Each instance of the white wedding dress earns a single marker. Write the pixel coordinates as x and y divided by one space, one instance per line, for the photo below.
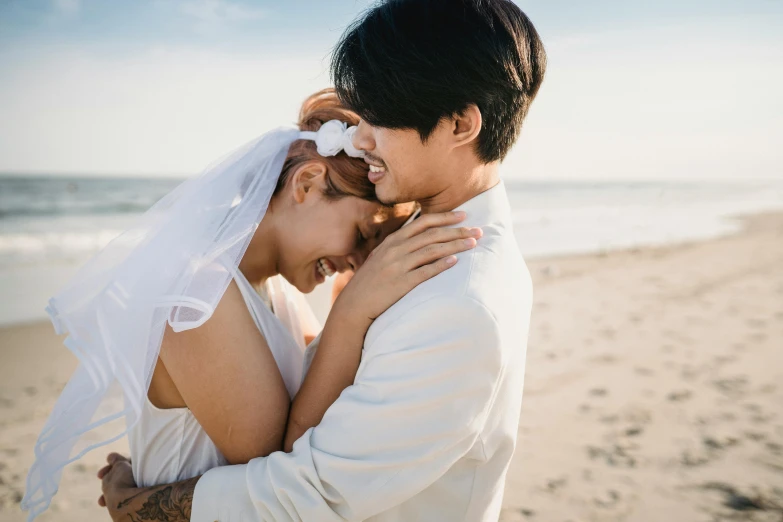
170 445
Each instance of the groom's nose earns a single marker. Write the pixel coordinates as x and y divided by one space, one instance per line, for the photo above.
362 138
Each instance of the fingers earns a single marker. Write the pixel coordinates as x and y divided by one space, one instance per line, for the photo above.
116 464
428 271
115 470
427 221
113 458
434 252
440 235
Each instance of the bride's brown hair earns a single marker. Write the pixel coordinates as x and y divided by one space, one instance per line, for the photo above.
346 176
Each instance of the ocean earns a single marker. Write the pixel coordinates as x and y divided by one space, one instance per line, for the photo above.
51 225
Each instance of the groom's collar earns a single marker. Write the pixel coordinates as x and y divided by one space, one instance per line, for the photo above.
491 205
488 207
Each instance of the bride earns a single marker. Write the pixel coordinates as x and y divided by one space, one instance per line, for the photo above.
195 318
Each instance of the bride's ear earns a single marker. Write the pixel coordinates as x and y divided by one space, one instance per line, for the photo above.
307 179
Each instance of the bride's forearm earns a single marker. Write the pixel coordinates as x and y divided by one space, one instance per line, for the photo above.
333 369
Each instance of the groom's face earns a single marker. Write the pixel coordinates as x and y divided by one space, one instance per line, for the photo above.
401 166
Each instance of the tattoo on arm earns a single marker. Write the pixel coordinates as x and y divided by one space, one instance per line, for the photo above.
170 503
129 499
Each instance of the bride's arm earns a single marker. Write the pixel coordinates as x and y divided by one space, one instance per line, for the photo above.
333 369
405 259
228 378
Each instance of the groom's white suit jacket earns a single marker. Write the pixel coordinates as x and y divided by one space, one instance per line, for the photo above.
428 428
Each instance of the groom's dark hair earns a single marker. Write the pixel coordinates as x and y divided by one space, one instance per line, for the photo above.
407 64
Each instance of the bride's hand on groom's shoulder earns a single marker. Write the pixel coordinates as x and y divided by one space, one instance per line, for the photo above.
405 259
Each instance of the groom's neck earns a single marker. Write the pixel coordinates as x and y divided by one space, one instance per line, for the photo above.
461 187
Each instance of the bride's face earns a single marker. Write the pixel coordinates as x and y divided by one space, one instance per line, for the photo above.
318 237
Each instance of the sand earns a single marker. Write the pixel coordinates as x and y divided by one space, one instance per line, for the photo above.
654 390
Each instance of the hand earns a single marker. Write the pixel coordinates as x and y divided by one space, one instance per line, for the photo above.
405 259
117 484
125 501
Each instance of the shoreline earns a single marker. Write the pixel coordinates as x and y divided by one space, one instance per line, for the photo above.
654 388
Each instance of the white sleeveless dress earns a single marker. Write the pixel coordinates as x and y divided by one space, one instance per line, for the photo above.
170 445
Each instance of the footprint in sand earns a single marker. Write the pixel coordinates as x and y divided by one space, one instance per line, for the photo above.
515 514
553 485
719 443
765 498
739 347
774 447
755 408
605 358
679 395
694 458
732 387
607 333
615 455
756 323
608 499
720 360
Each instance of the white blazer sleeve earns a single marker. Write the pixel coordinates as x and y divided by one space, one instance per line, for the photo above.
420 399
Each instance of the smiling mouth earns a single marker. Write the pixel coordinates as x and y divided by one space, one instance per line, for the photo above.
325 268
376 164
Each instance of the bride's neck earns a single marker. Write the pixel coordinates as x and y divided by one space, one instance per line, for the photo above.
260 260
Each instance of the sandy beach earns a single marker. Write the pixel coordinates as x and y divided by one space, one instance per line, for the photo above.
654 390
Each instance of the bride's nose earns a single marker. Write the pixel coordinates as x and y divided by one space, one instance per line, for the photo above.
355 260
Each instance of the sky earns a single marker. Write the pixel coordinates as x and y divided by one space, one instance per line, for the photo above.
635 90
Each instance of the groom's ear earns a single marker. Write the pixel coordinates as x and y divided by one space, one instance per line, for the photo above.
307 179
466 126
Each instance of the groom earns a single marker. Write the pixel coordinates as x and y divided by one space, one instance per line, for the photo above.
427 430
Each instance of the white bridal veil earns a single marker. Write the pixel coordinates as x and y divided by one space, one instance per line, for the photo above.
172 267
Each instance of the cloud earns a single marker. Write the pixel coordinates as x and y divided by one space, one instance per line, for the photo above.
212 14
156 111
68 7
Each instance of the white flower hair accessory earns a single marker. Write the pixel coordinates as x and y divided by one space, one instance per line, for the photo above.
333 136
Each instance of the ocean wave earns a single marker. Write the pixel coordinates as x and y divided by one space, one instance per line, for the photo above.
52 247
31 198
59 209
